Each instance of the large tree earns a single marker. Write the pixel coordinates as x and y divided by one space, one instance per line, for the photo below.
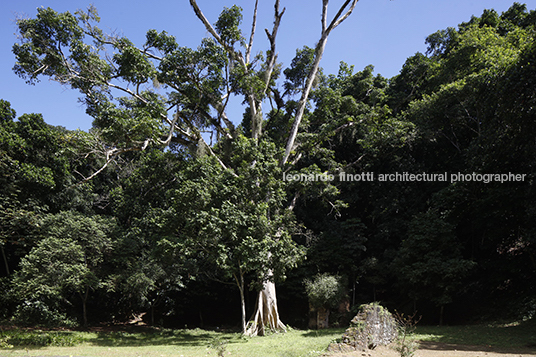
199 82
68 258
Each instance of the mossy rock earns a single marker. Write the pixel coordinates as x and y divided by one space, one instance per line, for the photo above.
373 326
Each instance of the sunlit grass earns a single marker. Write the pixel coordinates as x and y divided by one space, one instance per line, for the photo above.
191 343
198 343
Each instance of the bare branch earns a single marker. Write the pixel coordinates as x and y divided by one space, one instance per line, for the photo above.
171 130
222 164
303 100
338 19
293 202
319 51
253 27
40 69
355 162
271 37
216 124
205 22
296 159
135 95
324 15
110 155
220 108
255 103
256 126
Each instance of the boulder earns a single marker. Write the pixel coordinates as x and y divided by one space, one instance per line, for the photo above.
372 326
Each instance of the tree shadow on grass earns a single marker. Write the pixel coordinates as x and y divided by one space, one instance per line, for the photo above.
112 337
440 346
510 338
190 338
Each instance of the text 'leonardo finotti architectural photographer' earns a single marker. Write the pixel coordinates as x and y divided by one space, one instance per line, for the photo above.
406 177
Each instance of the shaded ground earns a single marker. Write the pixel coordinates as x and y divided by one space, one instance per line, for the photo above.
436 349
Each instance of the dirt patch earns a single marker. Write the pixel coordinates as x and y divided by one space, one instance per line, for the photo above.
433 349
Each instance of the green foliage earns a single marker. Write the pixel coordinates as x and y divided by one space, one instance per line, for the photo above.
132 65
300 66
228 24
238 222
220 211
27 155
324 290
67 259
405 343
36 312
37 338
429 262
43 37
219 345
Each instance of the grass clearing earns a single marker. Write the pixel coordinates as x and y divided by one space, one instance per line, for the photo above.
186 343
197 343
501 336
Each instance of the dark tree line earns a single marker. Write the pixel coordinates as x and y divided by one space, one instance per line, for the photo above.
163 223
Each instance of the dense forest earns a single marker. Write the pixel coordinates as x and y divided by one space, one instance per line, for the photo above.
415 191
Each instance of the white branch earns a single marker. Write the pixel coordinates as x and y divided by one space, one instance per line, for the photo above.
338 19
253 27
319 51
272 36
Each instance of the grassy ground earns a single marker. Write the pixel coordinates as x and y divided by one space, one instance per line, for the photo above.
163 343
499 336
193 343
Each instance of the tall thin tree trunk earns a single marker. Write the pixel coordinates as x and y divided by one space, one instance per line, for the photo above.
5 260
240 284
243 304
84 305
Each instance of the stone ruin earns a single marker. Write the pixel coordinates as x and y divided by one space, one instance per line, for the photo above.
372 326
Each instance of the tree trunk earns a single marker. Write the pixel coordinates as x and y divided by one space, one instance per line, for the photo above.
313 318
84 308
240 284
5 260
322 318
266 315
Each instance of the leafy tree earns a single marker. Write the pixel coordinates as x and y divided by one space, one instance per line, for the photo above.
325 290
32 182
149 263
69 259
429 262
473 116
324 293
199 84
235 223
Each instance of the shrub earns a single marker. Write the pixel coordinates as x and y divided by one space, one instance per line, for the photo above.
406 344
37 313
324 291
41 338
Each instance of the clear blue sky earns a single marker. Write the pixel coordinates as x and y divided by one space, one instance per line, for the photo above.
380 32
